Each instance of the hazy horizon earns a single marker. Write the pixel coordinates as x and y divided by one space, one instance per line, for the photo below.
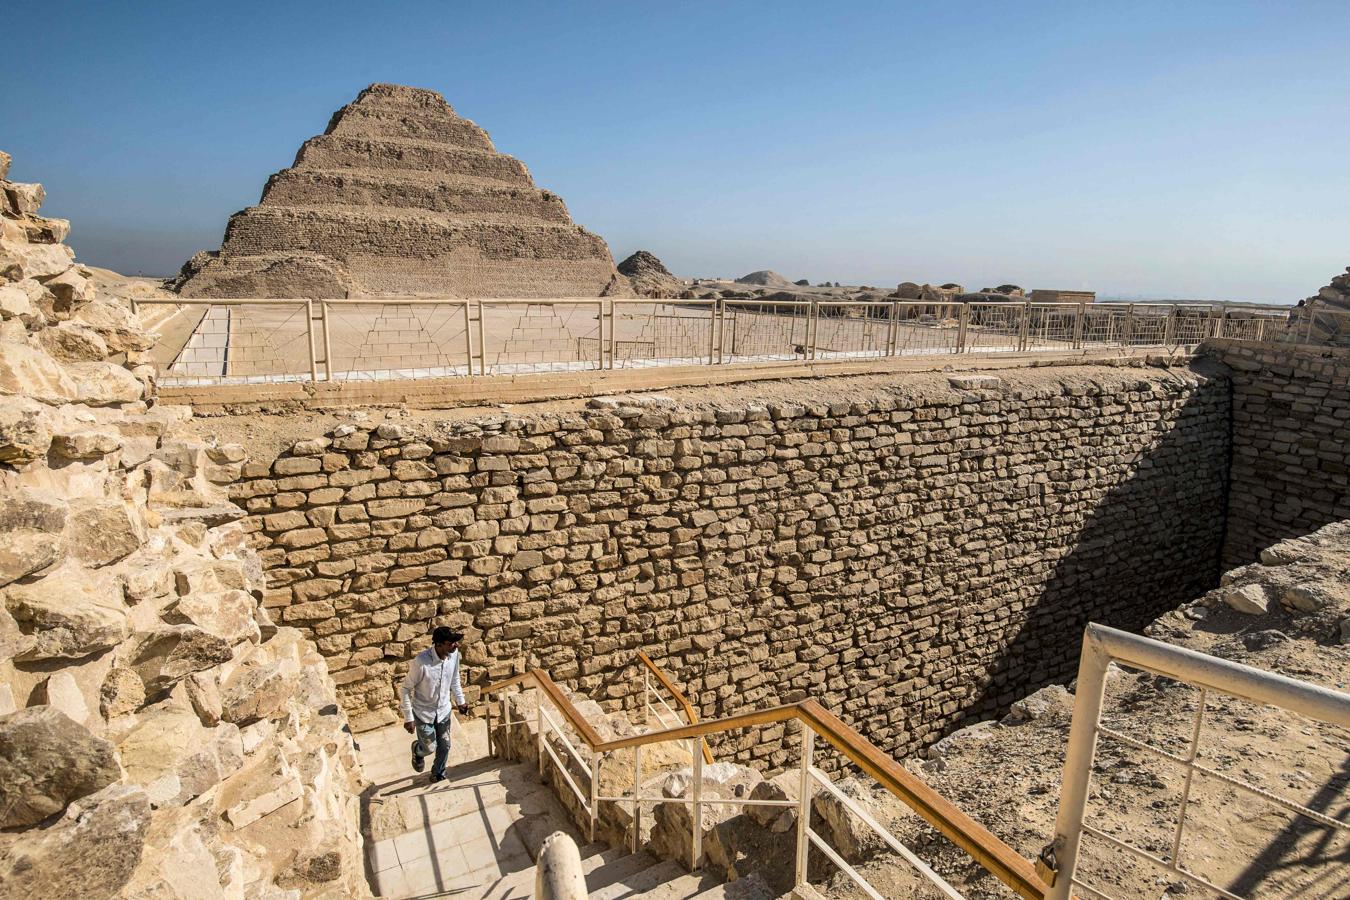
1146 151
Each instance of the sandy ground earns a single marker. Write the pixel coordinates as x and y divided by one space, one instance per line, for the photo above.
1007 774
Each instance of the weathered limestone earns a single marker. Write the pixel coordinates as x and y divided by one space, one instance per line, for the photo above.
402 196
911 557
143 687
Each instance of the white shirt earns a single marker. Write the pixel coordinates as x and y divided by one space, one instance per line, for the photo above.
431 685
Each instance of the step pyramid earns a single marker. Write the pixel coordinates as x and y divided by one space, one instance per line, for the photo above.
401 196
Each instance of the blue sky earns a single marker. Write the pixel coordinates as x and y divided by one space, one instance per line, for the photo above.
1166 149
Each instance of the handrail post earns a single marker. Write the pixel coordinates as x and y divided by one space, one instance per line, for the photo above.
893 339
1127 333
646 699
721 318
712 332
962 321
309 333
1023 332
327 342
1170 326
613 335
542 751
637 796
487 720
600 337
597 760
696 845
1079 320
812 329
808 741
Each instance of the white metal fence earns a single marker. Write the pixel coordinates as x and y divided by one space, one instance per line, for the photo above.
265 341
1101 647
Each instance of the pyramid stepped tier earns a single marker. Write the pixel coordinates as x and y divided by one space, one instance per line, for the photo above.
446 194
400 196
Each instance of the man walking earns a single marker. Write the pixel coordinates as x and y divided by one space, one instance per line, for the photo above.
432 682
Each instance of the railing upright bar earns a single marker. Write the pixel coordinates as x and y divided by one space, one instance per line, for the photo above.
962 325
1190 774
309 334
712 334
893 337
1079 319
600 334
696 814
597 762
540 732
808 742
468 339
1024 327
646 699
613 333
327 342
482 345
637 801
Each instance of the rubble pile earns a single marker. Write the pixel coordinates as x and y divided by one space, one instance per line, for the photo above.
159 735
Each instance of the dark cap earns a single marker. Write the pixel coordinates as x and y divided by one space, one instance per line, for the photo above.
444 635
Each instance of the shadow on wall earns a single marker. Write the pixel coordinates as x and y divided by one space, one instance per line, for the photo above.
1291 442
1152 542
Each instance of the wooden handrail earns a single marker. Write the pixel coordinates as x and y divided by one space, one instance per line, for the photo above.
986 848
689 714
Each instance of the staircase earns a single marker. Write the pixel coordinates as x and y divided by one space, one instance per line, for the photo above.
477 834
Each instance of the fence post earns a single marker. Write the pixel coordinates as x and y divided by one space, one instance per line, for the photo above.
697 813
1024 327
468 340
600 340
1080 316
1170 326
327 342
712 332
721 318
540 734
1127 332
893 338
613 335
808 741
482 345
963 320
309 333
812 326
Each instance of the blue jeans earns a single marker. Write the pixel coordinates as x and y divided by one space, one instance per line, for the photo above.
440 734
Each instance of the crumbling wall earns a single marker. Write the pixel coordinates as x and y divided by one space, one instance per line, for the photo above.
1291 442
917 554
160 736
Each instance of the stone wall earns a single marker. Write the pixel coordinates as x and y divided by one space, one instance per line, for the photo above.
160 736
917 554
1291 442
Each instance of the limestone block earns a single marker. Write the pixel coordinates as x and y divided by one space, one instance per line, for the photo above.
227 614
68 290
70 613
259 790
31 522
104 383
91 851
86 444
111 318
672 830
31 372
25 430
161 736
101 531
122 693
256 690
15 302
167 655
1250 599
73 343
783 786
851 838
64 694
1306 598
46 761
25 199
20 259
1051 701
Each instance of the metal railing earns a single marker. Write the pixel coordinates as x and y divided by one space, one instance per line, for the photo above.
1101 647
243 341
815 721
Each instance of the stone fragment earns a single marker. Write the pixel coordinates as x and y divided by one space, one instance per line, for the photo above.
1305 598
259 790
1053 700
25 199
33 373
63 693
151 750
87 444
228 614
164 657
91 851
976 382
850 836
25 433
255 691
31 523
122 693
20 259
783 786
1249 599
113 321
68 290
15 302
46 761
69 342
70 613
103 530
104 384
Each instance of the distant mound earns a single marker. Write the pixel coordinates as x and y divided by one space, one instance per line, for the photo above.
766 277
649 276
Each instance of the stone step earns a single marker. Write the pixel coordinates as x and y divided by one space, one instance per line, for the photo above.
616 871
666 880
751 887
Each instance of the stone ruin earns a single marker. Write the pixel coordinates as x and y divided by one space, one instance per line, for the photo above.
650 277
159 735
401 196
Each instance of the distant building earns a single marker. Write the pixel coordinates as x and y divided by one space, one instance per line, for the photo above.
1063 296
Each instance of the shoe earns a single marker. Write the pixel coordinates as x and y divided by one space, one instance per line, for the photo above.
418 762
435 778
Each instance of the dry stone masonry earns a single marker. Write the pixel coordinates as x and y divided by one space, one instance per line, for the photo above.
913 556
160 736
1291 442
402 196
